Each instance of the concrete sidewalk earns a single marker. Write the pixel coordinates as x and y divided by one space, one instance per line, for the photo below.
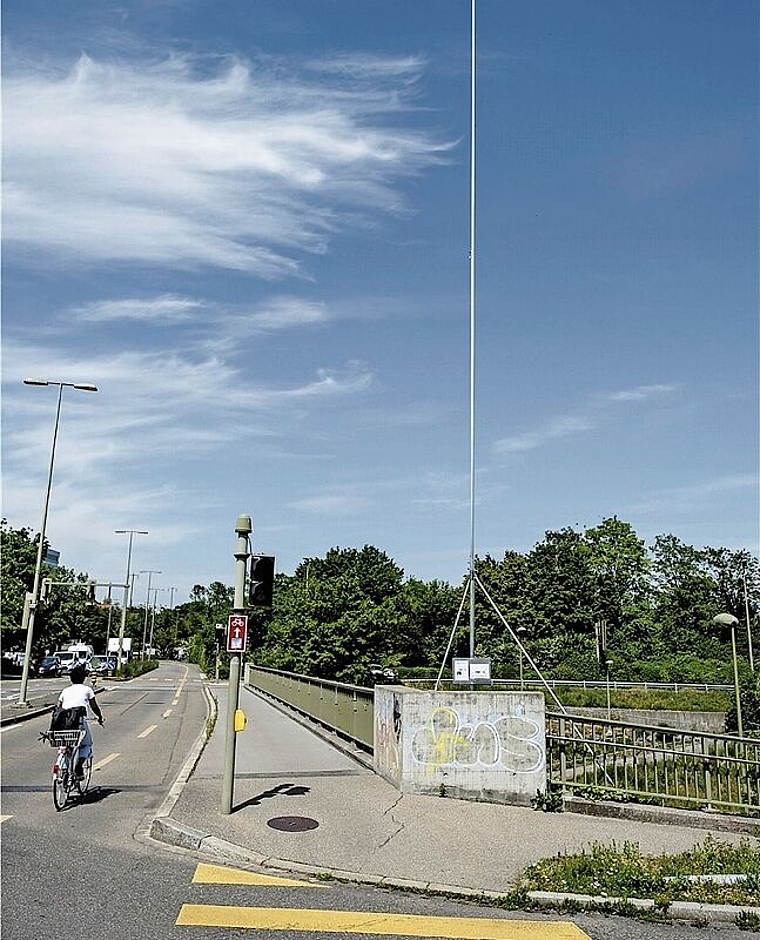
300 804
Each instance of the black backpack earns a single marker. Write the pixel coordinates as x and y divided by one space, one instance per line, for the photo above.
67 719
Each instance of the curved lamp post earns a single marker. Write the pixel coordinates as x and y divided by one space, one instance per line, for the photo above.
728 620
32 600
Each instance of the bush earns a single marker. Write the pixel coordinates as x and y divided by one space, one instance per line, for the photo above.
136 667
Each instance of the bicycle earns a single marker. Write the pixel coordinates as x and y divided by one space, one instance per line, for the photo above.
65 780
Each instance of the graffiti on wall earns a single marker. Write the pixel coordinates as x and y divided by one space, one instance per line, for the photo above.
504 742
388 733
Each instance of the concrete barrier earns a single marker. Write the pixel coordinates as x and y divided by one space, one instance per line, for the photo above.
488 746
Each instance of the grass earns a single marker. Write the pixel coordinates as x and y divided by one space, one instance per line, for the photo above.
686 700
625 872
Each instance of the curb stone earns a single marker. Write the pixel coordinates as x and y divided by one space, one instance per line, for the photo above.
181 836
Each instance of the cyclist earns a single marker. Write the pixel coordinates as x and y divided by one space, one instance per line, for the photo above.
79 695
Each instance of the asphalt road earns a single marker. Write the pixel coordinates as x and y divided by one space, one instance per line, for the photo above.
89 870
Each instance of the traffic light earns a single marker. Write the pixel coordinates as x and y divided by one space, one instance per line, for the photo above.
261 581
91 591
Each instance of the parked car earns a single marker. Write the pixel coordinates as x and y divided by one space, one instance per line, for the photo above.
49 666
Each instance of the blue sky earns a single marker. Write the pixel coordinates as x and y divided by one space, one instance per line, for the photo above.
248 224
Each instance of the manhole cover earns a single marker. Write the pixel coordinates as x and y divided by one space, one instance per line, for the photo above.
292 823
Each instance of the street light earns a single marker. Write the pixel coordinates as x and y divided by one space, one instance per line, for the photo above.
608 663
728 620
32 600
150 574
749 627
153 615
125 604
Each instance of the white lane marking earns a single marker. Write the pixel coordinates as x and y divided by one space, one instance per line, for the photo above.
5 818
106 760
167 713
148 730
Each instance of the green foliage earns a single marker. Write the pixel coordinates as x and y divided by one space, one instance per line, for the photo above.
17 562
625 872
67 614
749 699
549 800
337 615
137 667
685 700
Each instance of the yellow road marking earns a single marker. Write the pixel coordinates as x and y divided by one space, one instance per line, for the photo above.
407 925
221 875
106 760
148 730
167 713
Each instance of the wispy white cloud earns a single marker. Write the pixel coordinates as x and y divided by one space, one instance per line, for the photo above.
159 402
241 167
640 393
331 504
692 500
168 309
596 412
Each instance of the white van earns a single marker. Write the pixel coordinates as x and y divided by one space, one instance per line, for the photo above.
83 651
68 659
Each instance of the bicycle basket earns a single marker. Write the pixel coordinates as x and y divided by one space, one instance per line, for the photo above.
65 738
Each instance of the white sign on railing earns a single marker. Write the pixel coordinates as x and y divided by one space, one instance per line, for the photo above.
473 669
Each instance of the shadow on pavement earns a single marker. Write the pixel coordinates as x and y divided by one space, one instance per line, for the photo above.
283 789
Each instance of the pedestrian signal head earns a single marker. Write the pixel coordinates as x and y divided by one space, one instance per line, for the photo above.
261 581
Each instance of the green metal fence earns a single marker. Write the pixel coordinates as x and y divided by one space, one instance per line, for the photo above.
349 710
656 765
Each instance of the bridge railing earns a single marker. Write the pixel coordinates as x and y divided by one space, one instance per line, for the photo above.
592 756
348 710
668 767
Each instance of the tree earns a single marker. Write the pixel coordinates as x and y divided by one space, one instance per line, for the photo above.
17 563
337 614
65 614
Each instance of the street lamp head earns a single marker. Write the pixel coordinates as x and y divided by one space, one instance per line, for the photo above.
135 531
726 620
82 386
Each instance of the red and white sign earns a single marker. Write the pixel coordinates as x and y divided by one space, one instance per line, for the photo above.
237 633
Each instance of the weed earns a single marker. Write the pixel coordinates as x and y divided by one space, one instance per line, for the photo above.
747 920
623 871
549 801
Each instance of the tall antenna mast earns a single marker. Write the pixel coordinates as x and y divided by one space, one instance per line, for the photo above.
472 332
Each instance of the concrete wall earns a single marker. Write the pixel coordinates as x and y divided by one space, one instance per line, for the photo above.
488 746
711 722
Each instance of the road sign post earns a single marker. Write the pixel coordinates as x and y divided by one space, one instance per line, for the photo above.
237 634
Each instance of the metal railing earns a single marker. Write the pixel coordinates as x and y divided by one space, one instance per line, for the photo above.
649 764
349 710
615 685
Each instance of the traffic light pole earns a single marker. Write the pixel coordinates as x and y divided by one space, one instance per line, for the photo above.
243 528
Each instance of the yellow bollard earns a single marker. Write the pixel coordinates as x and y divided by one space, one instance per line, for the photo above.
240 720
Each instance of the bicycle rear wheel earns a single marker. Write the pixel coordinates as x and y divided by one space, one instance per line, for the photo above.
83 785
59 790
